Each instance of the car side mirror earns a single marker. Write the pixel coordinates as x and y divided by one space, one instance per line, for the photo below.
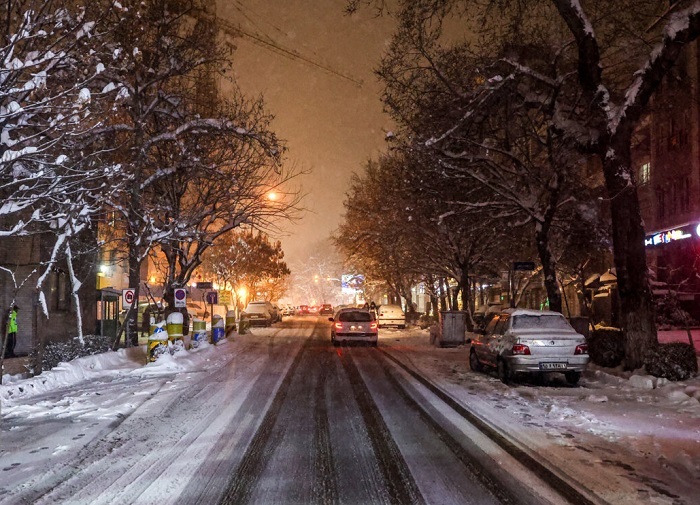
469 341
330 319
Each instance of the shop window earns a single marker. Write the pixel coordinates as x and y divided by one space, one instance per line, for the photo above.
685 195
59 291
644 173
660 203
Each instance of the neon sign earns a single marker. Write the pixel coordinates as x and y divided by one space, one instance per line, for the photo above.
668 236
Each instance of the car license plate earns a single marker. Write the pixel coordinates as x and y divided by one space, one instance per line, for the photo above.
553 366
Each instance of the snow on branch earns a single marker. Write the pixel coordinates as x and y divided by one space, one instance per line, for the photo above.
682 28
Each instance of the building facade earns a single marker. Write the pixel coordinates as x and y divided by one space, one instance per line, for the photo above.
667 162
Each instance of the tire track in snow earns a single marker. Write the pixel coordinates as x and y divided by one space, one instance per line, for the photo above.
400 484
263 444
564 485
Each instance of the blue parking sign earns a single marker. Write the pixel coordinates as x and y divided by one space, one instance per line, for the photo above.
212 298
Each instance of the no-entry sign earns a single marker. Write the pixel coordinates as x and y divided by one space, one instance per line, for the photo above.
128 296
180 297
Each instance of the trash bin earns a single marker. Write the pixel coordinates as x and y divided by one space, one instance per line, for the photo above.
174 326
157 342
217 329
199 332
451 328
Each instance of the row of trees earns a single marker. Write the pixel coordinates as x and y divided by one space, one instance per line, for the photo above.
249 264
502 106
110 114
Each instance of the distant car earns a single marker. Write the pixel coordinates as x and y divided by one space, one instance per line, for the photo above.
197 310
521 341
303 310
313 309
326 309
259 313
354 325
276 313
391 315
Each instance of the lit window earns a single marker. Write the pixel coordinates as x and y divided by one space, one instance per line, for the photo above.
644 173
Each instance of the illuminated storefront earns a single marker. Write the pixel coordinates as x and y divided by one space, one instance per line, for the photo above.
673 256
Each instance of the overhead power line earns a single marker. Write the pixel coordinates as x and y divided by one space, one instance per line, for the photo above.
269 43
295 55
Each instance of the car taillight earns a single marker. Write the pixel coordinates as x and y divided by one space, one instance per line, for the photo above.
521 349
339 326
373 325
581 349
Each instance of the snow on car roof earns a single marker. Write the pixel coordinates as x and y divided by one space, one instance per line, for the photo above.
531 312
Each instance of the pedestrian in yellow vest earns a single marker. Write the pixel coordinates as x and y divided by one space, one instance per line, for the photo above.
11 333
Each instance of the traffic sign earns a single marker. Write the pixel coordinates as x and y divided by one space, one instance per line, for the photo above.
204 285
523 266
128 296
225 298
180 296
212 298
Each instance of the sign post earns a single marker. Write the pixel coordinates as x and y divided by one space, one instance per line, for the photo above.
212 298
128 300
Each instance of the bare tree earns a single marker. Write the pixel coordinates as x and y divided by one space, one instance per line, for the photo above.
53 176
195 167
596 65
248 259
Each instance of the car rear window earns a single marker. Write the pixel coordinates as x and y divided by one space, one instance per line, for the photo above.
546 322
355 317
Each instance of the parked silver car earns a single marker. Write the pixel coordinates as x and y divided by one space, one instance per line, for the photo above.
520 341
259 313
391 315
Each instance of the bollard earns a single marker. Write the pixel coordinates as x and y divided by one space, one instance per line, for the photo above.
217 329
174 326
151 324
157 342
199 332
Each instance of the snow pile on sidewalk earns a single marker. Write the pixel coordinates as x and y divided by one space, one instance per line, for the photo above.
131 361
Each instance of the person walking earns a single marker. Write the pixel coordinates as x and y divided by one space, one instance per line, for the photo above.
11 333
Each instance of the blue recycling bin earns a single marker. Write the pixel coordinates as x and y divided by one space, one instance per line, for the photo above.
218 330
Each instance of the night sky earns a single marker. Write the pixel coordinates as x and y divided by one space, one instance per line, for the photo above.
331 123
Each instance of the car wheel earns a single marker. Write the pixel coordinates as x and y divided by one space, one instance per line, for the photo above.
374 344
474 362
402 327
504 373
572 377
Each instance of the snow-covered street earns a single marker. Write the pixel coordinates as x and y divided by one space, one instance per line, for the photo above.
281 416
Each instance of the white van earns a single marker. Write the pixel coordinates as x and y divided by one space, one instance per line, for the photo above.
391 315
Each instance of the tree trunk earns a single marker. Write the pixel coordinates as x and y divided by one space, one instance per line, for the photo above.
637 310
132 336
443 300
548 266
467 300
